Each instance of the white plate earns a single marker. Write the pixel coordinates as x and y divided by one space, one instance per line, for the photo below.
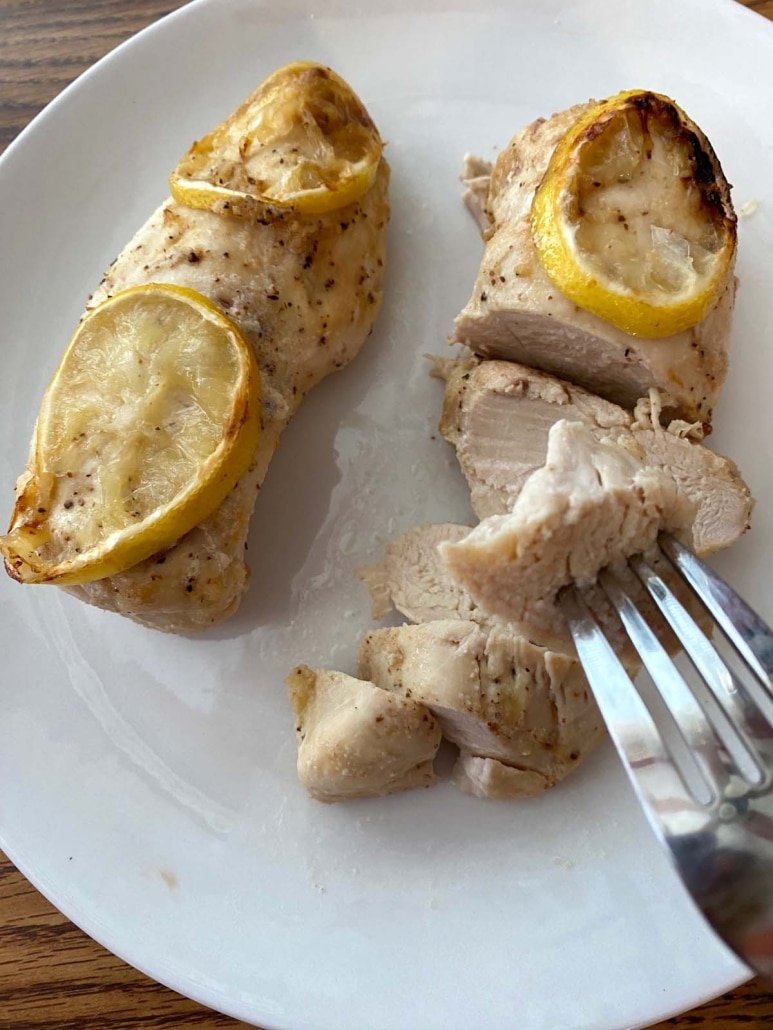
148 783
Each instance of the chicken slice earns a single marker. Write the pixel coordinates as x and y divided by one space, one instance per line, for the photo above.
593 504
496 696
356 740
490 778
305 291
498 414
413 579
516 313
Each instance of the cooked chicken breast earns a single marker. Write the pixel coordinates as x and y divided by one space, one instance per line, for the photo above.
593 504
356 740
305 292
496 696
490 778
516 313
413 579
498 415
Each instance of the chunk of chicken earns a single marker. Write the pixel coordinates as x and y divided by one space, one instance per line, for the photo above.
356 740
305 292
415 580
515 312
495 695
498 414
593 504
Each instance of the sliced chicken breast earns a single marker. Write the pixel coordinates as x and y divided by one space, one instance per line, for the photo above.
490 778
356 740
496 696
516 313
305 292
498 415
413 579
593 504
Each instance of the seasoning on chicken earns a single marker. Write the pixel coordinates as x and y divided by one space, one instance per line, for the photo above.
356 740
498 414
305 292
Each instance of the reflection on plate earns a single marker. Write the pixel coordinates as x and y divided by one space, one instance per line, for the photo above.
148 781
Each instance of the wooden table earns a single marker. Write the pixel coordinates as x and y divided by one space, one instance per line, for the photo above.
52 976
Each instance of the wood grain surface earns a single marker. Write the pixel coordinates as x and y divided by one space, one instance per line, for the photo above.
52 976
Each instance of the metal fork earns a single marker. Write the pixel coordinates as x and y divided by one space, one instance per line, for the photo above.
699 749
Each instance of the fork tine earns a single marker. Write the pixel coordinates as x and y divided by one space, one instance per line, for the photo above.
751 637
653 775
741 711
687 716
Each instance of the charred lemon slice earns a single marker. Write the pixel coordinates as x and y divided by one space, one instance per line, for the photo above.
302 141
151 418
633 219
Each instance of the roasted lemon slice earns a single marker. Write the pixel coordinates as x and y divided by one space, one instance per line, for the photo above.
151 418
302 141
633 219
